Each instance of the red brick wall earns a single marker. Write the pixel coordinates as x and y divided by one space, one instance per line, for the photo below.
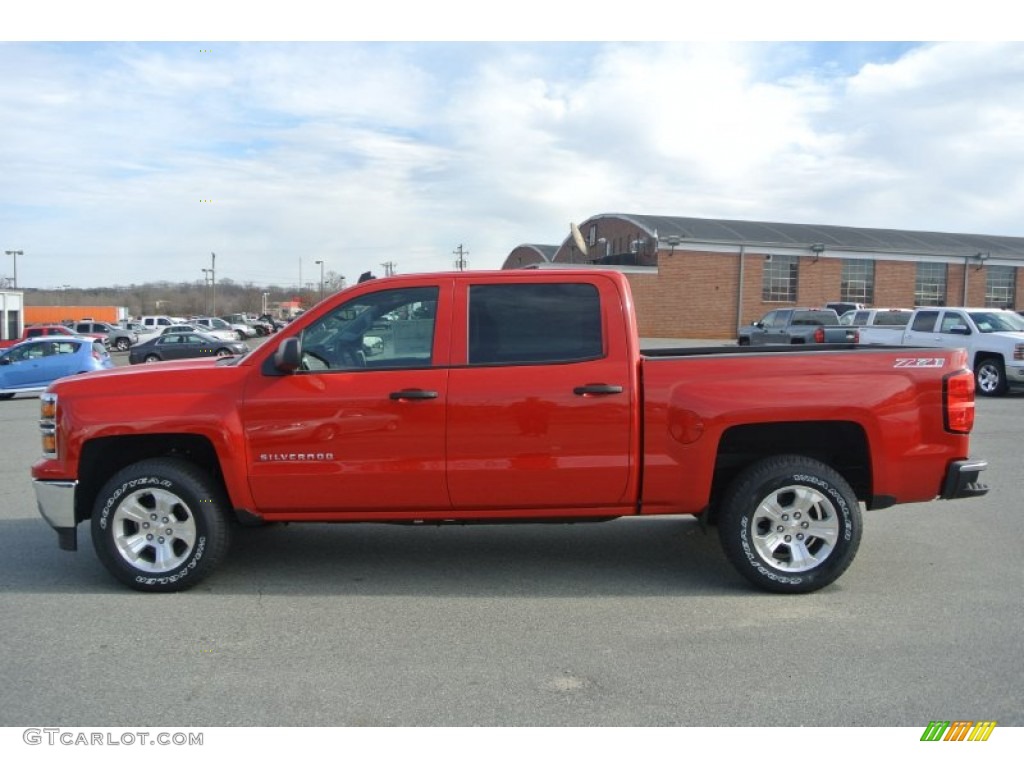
692 296
894 283
695 295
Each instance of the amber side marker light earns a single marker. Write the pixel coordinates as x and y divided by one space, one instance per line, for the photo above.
958 402
48 423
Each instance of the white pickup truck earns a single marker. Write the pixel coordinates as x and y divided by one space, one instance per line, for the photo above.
993 338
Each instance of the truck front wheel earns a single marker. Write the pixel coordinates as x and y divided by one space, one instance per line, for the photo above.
790 524
160 526
990 377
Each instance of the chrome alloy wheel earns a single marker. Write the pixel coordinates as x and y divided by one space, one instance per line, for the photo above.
154 530
795 528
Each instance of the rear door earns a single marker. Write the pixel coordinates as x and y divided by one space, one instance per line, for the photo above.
540 396
923 330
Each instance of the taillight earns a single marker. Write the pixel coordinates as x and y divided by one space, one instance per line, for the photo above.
48 424
819 335
958 401
1018 351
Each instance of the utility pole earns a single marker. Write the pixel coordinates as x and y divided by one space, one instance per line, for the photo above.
206 291
321 263
389 268
15 255
213 284
460 263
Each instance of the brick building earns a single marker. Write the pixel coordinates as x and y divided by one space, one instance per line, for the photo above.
703 278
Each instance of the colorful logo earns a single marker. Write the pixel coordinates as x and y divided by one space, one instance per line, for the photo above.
958 730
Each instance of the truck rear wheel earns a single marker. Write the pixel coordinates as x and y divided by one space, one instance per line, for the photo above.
160 525
790 524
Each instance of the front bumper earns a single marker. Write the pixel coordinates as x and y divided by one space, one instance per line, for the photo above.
962 480
1015 375
56 501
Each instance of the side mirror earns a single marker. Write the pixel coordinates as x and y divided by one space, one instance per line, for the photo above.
960 330
288 357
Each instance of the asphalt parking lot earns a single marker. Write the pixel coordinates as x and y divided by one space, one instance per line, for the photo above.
633 622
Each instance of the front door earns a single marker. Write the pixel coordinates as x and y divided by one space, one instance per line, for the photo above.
361 427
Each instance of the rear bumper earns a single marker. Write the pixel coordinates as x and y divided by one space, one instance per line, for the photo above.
962 480
56 501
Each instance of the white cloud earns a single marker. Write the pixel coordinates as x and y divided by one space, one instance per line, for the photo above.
362 153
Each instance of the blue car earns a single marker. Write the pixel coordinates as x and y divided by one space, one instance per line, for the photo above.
32 365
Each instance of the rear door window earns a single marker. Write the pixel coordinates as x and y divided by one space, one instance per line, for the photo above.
534 323
925 321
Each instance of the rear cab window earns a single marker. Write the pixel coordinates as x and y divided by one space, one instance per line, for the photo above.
530 323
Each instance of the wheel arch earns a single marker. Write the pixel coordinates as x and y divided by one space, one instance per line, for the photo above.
103 457
982 356
842 445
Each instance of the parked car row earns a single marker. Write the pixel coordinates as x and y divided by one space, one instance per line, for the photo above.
47 352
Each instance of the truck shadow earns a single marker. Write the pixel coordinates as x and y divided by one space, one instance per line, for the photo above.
650 557
623 557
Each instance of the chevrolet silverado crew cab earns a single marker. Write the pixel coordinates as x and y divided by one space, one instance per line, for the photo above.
513 396
993 338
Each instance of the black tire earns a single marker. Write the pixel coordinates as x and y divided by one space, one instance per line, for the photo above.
743 341
223 352
151 359
122 344
790 524
990 377
190 511
241 335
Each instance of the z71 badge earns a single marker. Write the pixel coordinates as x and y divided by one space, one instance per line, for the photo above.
919 362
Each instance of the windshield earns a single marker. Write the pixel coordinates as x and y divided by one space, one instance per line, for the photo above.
991 322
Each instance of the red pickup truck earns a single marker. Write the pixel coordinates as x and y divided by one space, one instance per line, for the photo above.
515 396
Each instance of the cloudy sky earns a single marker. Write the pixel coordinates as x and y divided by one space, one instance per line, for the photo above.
126 162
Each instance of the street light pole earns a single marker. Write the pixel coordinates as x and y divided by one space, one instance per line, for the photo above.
15 255
321 279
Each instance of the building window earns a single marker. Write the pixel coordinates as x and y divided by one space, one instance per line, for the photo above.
780 278
857 283
1000 287
930 285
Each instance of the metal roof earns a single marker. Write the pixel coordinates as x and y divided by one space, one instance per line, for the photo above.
547 252
837 237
